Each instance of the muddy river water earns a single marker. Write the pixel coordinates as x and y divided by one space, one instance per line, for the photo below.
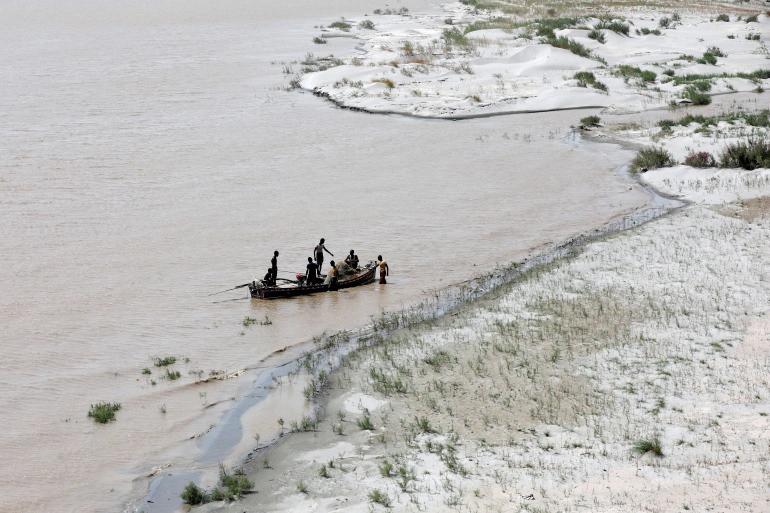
149 155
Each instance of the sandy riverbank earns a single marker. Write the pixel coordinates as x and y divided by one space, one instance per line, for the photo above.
468 62
637 366
533 400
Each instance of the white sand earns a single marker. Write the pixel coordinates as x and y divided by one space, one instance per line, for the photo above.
509 71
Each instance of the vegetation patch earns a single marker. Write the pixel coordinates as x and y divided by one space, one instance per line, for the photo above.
651 157
385 81
103 412
648 445
700 159
586 78
341 24
165 361
615 26
597 35
751 154
590 121
627 72
696 96
231 487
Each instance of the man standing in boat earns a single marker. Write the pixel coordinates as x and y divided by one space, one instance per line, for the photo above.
311 272
319 254
273 268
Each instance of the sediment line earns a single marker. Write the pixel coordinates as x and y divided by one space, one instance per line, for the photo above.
456 117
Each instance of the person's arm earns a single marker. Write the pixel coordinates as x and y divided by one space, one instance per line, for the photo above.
387 269
324 247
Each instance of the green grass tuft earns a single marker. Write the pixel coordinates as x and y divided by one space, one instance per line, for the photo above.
651 158
103 412
651 445
751 154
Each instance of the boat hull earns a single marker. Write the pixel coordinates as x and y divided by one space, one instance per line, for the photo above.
366 275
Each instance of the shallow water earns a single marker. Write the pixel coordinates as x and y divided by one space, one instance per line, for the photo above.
148 157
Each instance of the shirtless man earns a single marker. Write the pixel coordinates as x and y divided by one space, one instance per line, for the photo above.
319 254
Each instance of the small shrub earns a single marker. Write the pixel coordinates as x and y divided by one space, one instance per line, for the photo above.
193 494
103 412
386 82
648 445
302 487
423 425
341 24
597 35
454 36
753 37
367 24
651 158
664 22
615 26
646 32
569 44
379 497
695 96
751 154
173 375
319 41
708 58
165 361
590 121
700 159
723 17
146 371
716 51
365 423
626 71
752 19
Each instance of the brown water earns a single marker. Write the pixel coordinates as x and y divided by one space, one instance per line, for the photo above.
149 157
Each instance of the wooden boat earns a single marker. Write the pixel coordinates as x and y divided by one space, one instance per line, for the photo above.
361 277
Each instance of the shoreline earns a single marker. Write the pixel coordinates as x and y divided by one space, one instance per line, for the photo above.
437 305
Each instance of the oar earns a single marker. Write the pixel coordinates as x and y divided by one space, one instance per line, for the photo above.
228 290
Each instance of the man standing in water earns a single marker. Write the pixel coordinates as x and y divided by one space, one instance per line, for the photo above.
319 254
332 277
384 269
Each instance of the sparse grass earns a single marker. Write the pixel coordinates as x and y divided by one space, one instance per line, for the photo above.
615 26
627 72
103 412
455 37
165 361
597 35
651 158
648 445
302 487
365 423
231 485
377 496
751 154
697 97
173 375
385 81
571 45
586 78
